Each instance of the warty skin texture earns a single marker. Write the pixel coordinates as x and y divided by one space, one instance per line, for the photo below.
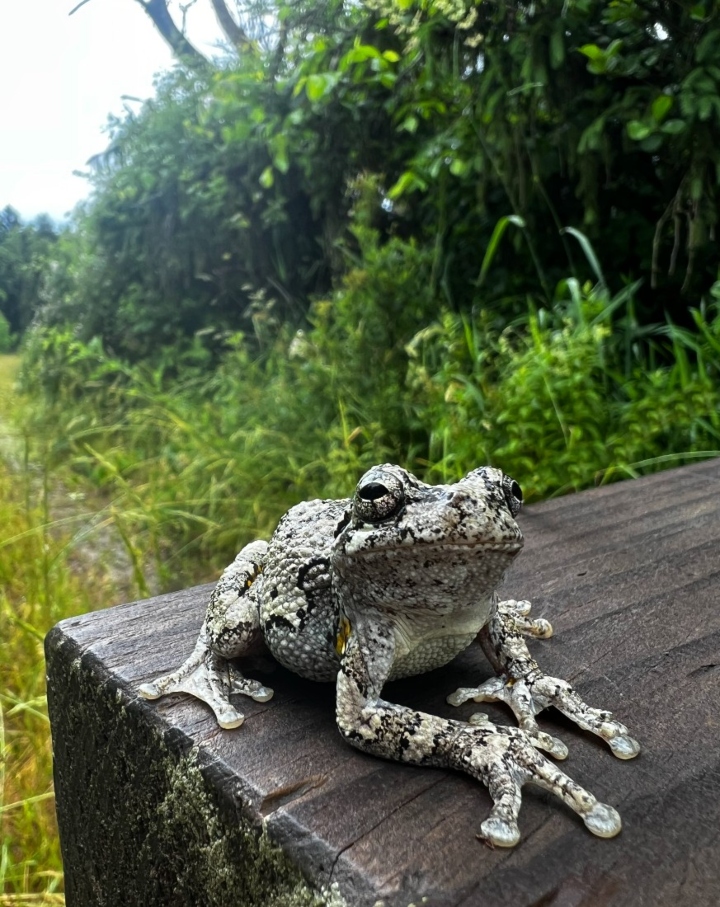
392 582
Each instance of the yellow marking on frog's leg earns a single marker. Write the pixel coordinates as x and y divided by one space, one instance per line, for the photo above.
342 637
257 570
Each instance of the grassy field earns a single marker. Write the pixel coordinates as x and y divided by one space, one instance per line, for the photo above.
40 583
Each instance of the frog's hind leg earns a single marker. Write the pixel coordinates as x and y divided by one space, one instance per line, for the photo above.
231 629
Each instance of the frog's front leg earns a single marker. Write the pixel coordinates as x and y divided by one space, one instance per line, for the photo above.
231 629
527 690
503 758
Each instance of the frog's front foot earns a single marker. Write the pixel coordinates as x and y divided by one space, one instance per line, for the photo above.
523 686
211 678
529 695
505 759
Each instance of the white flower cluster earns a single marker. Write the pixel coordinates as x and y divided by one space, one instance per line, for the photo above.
405 17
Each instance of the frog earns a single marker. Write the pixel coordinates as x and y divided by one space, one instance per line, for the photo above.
393 582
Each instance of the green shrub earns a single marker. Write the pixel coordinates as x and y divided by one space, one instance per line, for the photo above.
567 399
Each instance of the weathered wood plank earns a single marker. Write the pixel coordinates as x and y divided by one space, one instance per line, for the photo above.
628 574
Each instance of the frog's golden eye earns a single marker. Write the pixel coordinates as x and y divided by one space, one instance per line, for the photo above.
378 497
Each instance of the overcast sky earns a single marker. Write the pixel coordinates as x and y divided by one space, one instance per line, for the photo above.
60 77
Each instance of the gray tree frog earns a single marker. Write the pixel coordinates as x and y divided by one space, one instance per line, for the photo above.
391 583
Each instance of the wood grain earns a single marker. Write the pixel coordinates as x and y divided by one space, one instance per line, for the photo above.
628 574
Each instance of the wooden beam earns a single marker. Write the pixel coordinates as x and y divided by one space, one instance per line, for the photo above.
156 805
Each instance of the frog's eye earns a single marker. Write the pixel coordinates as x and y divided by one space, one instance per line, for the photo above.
373 491
513 495
377 498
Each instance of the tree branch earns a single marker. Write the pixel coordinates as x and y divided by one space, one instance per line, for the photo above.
179 44
233 32
76 8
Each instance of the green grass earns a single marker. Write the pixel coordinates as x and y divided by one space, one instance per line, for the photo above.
39 587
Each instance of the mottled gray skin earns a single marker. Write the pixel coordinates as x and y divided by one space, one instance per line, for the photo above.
394 582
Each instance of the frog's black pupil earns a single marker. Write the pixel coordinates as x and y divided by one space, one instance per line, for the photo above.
372 491
516 491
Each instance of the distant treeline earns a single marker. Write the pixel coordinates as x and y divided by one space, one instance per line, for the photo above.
26 253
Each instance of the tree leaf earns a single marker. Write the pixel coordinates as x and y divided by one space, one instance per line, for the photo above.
458 167
592 51
409 124
587 248
557 46
661 107
652 143
637 130
406 182
316 86
497 235
673 127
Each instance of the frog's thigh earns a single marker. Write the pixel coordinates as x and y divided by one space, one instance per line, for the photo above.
232 620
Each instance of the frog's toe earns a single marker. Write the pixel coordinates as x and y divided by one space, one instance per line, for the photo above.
227 716
603 821
598 721
479 719
538 738
461 696
496 689
173 682
538 627
623 746
149 691
548 743
518 612
252 688
500 832
512 692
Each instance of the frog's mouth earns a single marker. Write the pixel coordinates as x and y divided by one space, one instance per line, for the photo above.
404 547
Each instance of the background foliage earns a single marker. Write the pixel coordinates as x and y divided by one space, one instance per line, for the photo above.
427 121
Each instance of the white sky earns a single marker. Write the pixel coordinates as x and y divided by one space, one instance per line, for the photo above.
60 77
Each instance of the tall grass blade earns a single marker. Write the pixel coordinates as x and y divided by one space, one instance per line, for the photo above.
589 252
495 239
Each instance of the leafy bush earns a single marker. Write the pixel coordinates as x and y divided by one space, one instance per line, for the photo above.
566 398
25 251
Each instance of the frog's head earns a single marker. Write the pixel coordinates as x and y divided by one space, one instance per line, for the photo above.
403 539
